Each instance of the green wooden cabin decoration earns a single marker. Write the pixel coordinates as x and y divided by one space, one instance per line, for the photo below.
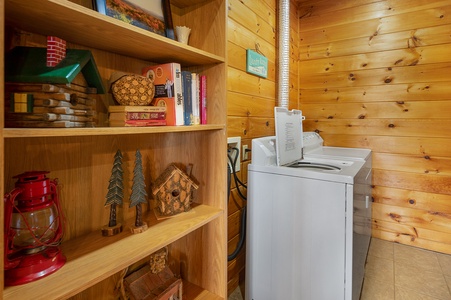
37 95
28 65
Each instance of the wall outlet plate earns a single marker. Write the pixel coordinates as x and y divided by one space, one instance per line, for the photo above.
245 153
234 142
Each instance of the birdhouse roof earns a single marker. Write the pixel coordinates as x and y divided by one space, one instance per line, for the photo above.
168 174
28 64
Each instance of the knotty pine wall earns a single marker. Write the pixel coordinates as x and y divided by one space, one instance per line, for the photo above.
377 74
252 24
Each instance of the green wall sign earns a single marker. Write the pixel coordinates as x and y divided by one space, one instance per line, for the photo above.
256 63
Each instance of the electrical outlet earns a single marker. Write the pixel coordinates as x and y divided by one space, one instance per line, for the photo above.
234 142
245 152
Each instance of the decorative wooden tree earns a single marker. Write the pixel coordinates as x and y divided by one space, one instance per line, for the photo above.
114 196
139 194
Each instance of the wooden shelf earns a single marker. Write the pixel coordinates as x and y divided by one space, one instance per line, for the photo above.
87 263
87 27
81 158
98 131
192 291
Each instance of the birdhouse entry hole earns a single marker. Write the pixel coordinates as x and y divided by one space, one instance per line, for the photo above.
175 193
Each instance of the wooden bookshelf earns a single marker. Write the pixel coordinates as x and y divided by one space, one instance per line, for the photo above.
81 158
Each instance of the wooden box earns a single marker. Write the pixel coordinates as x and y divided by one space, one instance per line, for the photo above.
143 285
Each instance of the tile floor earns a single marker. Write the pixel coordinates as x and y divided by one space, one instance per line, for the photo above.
400 272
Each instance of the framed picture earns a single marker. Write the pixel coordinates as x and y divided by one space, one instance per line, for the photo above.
151 15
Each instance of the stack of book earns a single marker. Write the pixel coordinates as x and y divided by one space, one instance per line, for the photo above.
122 115
168 90
183 93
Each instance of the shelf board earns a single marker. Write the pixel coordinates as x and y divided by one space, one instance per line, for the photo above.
83 26
87 263
98 131
192 291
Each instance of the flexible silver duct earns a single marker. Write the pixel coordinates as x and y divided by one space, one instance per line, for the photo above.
284 52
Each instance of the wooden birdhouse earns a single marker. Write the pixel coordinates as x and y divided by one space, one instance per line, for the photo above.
51 87
173 191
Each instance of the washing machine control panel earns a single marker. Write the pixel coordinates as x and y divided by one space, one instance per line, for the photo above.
312 140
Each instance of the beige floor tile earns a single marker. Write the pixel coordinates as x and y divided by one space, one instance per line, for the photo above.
445 263
424 259
377 290
414 278
405 294
381 248
380 269
236 294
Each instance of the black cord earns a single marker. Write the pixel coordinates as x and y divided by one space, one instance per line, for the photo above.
230 170
238 182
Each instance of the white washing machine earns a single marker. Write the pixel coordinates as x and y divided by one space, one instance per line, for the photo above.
300 224
313 148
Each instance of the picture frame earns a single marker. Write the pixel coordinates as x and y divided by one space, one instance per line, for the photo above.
152 15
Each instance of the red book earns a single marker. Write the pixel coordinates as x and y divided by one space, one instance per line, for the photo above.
203 98
137 116
137 123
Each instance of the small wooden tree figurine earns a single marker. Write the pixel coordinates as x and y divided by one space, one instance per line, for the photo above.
114 196
139 194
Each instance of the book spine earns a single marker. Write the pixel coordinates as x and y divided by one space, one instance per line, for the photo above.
125 108
203 99
138 123
195 98
178 91
138 116
187 97
146 115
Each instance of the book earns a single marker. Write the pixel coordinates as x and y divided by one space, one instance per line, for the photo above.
138 116
187 97
128 108
168 90
195 98
136 123
203 98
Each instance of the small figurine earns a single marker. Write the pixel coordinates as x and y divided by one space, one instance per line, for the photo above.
114 196
139 194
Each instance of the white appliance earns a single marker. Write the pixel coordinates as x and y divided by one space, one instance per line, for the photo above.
313 148
302 231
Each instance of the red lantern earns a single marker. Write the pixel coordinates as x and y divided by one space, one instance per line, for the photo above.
33 229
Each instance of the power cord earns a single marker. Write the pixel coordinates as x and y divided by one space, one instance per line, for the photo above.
238 182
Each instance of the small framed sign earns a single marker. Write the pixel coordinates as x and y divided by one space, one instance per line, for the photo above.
256 63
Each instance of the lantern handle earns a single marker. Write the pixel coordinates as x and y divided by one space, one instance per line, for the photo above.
62 219
9 199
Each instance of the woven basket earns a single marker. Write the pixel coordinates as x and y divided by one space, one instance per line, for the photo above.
132 89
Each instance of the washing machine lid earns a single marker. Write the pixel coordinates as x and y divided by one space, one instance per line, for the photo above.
289 141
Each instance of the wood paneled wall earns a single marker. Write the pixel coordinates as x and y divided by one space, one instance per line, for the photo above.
377 74
252 24
250 100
